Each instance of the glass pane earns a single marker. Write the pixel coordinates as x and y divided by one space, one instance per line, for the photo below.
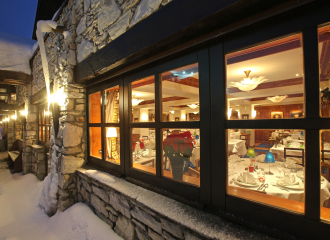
324 59
112 105
181 155
95 142
325 174
144 149
266 81
40 133
113 145
43 134
95 107
267 166
143 100
40 116
180 94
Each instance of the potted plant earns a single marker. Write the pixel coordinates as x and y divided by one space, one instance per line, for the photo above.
178 148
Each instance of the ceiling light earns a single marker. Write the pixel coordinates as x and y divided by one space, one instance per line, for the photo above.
171 112
195 112
135 101
277 99
248 83
297 75
193 106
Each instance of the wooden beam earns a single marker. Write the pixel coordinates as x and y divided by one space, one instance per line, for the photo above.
11 75
8 107
41 95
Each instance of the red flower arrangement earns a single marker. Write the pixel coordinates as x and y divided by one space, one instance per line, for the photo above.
141 145
179 145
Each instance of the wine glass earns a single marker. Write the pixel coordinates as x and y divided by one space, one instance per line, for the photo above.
280 167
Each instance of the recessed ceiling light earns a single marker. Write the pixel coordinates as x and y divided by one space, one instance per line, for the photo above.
297 75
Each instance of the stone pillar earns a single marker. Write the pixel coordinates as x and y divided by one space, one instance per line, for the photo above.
29 136
38 161
18 126
10 133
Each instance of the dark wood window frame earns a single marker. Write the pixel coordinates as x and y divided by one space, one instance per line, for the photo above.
44 122
211 60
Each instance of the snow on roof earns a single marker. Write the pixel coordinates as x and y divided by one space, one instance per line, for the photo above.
15 53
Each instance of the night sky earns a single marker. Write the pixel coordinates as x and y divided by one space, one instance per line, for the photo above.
17 17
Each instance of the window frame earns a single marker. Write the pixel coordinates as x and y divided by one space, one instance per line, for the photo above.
102 163
42 107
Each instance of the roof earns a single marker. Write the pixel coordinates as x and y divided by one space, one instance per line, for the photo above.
15 53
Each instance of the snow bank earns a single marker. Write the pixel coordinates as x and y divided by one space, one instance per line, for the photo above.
15 53
22 218
100 176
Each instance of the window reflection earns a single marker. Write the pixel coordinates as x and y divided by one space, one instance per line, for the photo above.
266 81
181 155
267 166
180 94
143 100
144 149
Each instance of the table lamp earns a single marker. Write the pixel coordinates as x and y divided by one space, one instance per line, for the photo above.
269 159
112 132
250 153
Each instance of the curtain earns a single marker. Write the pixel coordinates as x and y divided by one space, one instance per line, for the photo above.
109 114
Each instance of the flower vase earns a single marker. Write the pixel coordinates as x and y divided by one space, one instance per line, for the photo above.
177 163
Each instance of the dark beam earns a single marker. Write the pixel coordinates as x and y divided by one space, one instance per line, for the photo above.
4 94
19 76
8 107
133 49
41 95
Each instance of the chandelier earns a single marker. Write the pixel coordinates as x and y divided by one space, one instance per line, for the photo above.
277 99
135 101
193 106
248 83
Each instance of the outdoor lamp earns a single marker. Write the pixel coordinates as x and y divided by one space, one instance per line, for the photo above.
112 132
269 159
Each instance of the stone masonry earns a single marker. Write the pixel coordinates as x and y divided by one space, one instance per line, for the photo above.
38 161
126 217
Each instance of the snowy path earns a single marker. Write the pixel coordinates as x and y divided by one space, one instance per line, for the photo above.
21 217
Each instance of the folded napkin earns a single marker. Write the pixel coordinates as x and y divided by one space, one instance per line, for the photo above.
246 177
260 158
290 179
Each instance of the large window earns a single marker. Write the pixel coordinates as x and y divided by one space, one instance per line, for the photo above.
105 126
266 81
44 123
179 101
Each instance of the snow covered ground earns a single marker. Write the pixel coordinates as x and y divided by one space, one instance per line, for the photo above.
22 218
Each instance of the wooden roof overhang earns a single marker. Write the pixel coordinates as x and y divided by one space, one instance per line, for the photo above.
188 23
14 78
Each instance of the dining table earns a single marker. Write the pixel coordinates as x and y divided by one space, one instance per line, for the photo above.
273 189
237 146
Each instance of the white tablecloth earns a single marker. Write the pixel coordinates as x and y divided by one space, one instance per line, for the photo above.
196 153
275 191
280 153
235 135
237 146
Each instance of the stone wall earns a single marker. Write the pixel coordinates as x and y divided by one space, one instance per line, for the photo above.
10 133
128 218
19 126
38 161
29 137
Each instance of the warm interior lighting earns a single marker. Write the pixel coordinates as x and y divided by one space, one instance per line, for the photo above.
24 112
277 99
248 83
112 132
193 106
135 101
229 112
254 113
59 98
172 112
195 112
144 117
14 117
183 116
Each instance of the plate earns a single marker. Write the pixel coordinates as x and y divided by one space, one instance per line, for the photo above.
299 186
246 184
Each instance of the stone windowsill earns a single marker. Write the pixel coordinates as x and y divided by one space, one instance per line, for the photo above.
207 225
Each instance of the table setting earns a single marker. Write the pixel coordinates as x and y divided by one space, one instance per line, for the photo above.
284 182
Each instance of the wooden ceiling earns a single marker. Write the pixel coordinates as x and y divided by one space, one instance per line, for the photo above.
14 78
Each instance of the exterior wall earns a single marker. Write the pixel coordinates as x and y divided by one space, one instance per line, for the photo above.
38 161
128 218
10 133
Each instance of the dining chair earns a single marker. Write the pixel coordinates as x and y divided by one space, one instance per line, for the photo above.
296 149
325 167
